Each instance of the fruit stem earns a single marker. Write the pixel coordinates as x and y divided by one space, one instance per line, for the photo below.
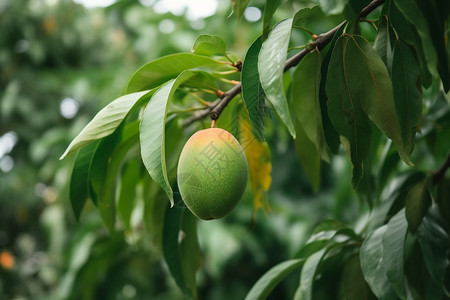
213 123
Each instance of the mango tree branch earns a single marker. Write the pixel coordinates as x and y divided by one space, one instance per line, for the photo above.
322 40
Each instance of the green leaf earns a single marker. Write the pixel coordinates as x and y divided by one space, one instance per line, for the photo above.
262 288
353 285
171 246
304 291
407 92
106 200
369 82
271 62
161 70
301 17
412 13
107 120
155 205
252 91
333 7
308 156
331 135
437 33
127 196
345 111
190 253
373 266
79 180
305 97
418 200
269 9
239 7
209 45
435 246
99 164
406 32
394 252
381 43
152 132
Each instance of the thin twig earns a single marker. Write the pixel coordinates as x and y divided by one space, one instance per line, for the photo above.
322 40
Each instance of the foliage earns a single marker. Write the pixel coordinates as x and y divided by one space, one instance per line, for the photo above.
374 90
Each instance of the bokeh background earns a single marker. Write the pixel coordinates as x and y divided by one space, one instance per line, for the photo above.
60 62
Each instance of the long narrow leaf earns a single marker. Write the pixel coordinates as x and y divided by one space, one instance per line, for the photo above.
79 181
305 97
372 265
271 278
407 92
345 111
106 201
394 252
271 61
152 132
252 92
106 120
161 70
307 276
369 82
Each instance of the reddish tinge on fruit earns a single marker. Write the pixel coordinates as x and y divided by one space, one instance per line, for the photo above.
212 173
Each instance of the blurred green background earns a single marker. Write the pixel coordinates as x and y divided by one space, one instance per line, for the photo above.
61 62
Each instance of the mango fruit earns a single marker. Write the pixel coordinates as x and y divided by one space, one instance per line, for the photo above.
212 173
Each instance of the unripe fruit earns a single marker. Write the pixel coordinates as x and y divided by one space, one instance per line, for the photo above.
212 173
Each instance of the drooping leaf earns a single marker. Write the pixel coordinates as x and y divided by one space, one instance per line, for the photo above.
411 11
259 164
239 7
190 253
209 45
307 276
435 246
407 92
98 170
127 196
171 247
161 70
369 82
152 132
436 15
394 252
308 156
107 198
345 111
331 135
262 288
107 120
79 180
407 32
269 9
372 265
252 91
382 42
271 62
305 98
418 200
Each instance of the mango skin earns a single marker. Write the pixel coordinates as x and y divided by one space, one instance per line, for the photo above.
212 173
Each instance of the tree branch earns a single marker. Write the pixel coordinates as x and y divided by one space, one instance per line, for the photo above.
322 40
439 174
